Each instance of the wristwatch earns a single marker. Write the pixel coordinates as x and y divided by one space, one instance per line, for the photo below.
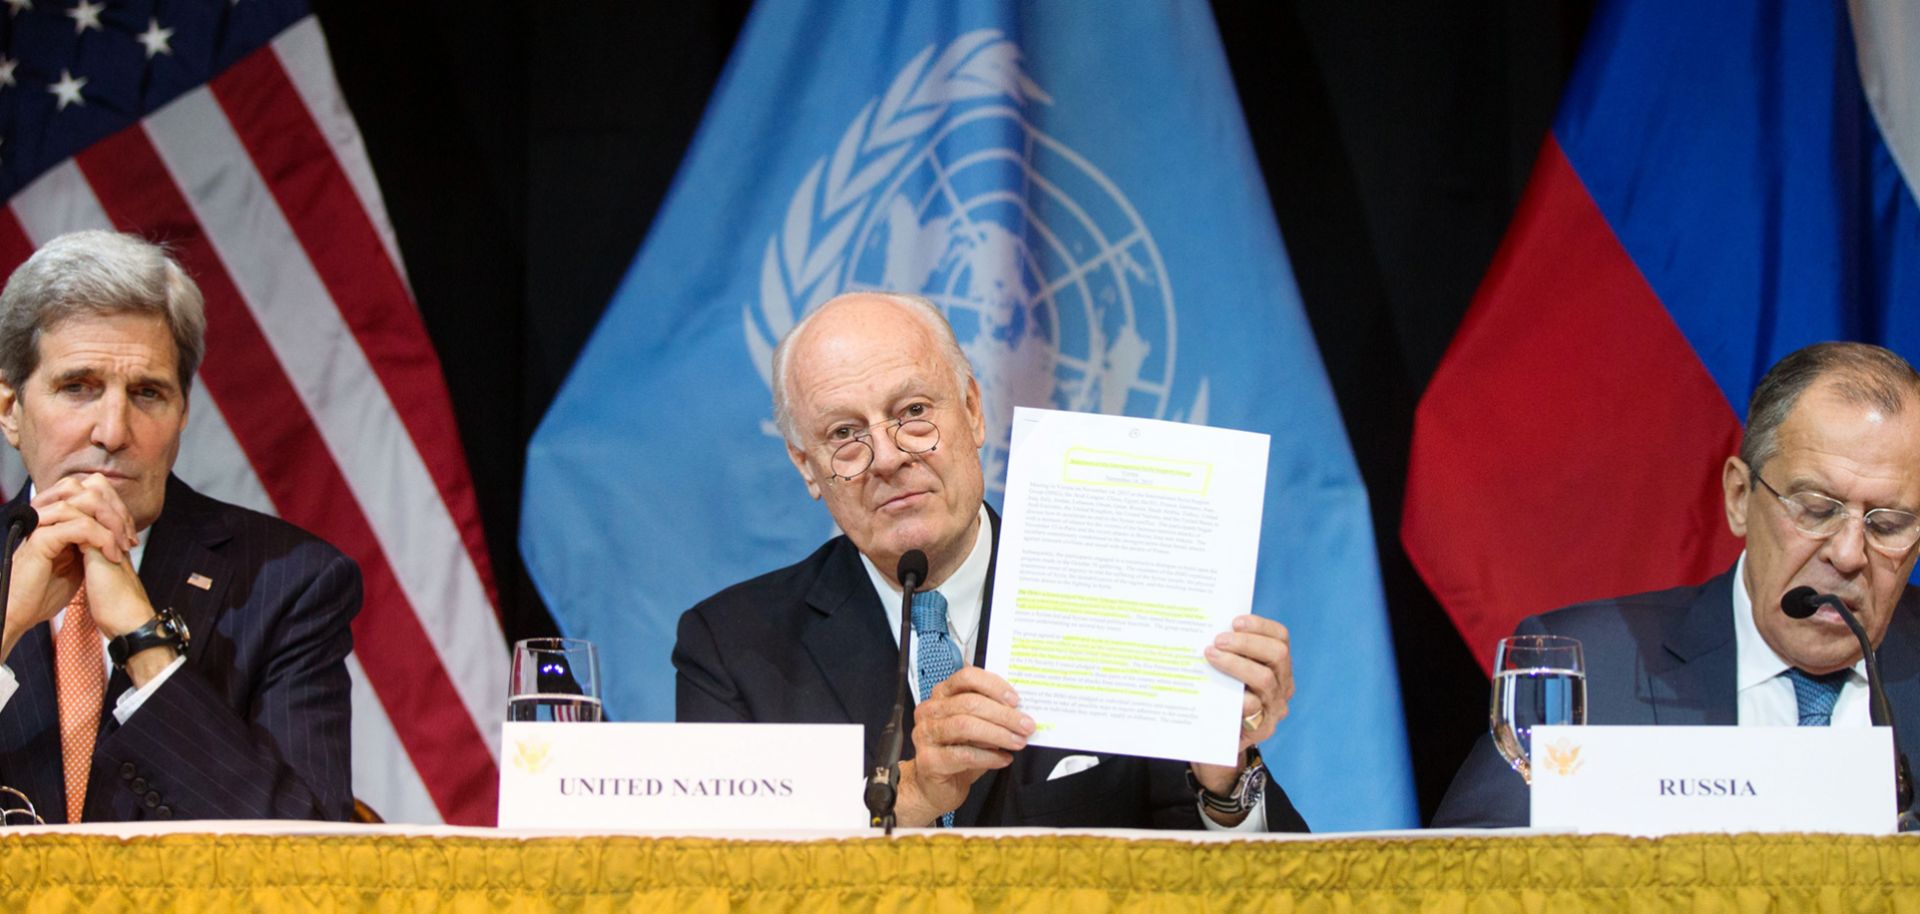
1247 789
165 628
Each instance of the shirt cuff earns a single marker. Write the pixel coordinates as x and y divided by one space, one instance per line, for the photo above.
9 684
1256 820
131 700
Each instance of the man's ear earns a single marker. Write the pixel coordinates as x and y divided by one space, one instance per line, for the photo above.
10 413
1736 483
799 458
976 413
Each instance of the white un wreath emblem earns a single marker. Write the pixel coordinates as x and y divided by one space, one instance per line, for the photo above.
941 186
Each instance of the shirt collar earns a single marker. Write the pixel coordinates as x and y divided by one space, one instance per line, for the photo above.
965 589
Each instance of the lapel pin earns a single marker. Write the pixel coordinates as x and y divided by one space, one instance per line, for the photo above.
201 581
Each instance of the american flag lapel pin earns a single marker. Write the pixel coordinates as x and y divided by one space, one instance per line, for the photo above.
200 580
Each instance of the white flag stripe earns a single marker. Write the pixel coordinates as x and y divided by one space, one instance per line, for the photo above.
1887 39
386 780
211 460
324 362
58 202
302 50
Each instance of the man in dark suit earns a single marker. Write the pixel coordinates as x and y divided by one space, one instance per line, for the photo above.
1825 492
167 655
883 420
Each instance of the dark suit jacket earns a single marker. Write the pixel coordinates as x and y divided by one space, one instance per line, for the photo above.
1666 657
255 724
809 643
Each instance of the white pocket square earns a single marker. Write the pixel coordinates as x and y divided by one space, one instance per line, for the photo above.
1073 764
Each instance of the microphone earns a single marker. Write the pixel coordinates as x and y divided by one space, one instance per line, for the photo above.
1800 603
883 787
21 521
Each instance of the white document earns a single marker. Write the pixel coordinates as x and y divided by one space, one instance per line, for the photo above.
1675 780
1127 546
681 777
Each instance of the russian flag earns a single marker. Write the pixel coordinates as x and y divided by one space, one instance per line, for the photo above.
1725 182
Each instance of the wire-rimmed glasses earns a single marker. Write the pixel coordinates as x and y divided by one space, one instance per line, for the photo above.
853 456
1821 516
22 814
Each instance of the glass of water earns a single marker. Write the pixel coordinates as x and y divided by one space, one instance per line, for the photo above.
554 679
1537 679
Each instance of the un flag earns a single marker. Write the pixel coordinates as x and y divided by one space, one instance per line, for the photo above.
1074 185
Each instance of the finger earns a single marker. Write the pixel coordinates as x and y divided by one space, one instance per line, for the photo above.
955 759
977 680
73 530
105 503
1258 677
971 704
968 730
1261 625
1260 648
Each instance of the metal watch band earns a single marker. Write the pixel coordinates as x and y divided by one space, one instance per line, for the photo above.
165 628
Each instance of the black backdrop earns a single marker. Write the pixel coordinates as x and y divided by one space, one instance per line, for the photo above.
522 150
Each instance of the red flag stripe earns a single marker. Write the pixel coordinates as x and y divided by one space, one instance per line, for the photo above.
15 246
1580 399
293 463
272 122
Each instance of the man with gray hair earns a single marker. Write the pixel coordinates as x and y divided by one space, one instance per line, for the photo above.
883 421
1826 493
166 655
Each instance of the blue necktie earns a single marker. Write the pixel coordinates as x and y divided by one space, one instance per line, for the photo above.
939 657
1816 695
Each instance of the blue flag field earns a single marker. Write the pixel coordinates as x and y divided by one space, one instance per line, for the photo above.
1074 185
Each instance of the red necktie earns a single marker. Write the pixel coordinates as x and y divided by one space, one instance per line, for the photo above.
80 674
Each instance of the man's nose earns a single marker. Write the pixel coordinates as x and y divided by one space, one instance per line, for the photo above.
1846 549
110 421
887 456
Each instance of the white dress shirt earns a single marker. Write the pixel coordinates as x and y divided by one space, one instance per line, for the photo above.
1766 696
966 593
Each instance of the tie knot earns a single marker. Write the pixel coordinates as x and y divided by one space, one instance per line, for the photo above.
929 613
1816 695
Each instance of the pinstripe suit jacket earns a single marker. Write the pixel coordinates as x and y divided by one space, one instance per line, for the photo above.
255 724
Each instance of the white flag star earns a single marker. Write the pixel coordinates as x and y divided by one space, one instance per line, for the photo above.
6 69
86 15
155 39
68 90
15 6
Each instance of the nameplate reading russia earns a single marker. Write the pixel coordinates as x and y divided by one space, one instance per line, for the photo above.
680 777
1673 780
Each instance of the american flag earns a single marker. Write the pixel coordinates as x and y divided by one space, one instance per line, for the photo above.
217 128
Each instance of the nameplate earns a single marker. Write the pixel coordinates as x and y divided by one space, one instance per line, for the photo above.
1674 780
681 777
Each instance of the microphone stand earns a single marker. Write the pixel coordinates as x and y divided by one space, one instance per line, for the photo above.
883 786
1880 709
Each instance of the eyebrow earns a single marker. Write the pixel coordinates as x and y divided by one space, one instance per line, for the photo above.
85 373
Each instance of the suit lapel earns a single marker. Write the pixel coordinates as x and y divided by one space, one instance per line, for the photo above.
850 645
1693 681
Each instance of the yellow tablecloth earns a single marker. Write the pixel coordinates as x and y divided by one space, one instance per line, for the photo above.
53 872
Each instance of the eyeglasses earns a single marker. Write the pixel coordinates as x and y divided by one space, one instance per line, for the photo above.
1821 516
22 814
853 455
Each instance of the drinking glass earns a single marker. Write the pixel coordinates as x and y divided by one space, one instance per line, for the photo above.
554 679
1537 679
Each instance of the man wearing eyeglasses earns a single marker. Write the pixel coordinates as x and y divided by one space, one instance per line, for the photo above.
1824 491
883 420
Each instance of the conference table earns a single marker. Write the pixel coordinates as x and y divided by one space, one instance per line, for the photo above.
301 867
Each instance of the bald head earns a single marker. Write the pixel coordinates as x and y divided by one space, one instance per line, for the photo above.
860 318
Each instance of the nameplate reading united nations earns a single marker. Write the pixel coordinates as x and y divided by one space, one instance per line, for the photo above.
1673 780
680 777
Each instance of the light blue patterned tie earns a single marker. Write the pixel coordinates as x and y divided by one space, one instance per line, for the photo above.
939 657
1816 695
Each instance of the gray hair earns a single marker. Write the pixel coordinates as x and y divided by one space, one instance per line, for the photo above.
922 309
98 273
1861 373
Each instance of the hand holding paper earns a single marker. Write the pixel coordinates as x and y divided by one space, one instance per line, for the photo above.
1257 654
970 725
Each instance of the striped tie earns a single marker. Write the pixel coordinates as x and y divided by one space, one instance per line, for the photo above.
939 657
80 681
1816 695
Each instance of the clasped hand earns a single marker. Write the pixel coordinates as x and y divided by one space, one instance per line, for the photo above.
84 536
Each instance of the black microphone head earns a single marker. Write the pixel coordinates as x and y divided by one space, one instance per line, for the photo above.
1800 602
912 566
24 515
